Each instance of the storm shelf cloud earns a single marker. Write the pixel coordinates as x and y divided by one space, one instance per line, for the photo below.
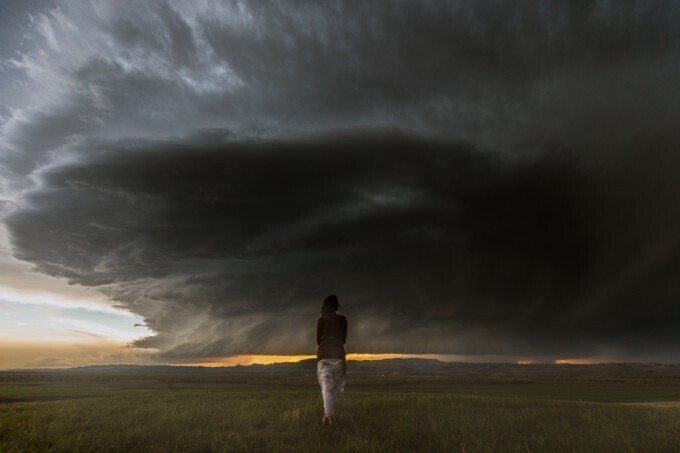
469 177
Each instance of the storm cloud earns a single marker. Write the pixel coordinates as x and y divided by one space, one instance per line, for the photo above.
469 178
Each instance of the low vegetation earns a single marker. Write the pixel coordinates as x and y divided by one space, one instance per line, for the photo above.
264 411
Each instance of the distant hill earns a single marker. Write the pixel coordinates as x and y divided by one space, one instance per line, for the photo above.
409 365
396 365
384 365
384 372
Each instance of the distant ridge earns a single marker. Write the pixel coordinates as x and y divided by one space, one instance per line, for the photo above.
393 365
306 364
387 372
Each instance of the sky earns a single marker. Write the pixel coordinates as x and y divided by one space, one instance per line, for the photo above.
185 181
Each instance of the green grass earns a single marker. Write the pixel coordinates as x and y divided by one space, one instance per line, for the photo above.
148 416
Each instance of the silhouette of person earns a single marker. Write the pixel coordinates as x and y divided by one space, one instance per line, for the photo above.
331 367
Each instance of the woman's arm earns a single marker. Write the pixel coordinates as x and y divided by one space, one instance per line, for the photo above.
343 333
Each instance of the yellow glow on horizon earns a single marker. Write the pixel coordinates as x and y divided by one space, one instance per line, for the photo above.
269 359
576 361
246 359
67 354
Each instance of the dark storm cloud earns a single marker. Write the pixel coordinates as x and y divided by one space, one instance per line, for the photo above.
228 246
481 71
505 183
387 56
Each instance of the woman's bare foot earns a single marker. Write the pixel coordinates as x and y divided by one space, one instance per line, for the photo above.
331 420
325 420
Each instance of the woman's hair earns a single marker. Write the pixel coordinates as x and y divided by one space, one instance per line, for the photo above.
330 305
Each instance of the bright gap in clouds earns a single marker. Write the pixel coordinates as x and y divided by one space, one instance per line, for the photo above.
67 354
46 330
32 322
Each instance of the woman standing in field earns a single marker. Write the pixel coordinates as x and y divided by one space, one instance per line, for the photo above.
331 367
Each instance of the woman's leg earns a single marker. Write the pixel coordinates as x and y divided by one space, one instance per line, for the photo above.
323 377
330 395
331 379
328 398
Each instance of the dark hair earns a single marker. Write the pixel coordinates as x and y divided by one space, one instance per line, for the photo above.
330 304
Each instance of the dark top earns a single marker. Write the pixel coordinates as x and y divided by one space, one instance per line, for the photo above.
331 334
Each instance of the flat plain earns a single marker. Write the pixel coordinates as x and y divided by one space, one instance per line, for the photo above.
395 406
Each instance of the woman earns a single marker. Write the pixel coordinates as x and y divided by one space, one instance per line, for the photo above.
331 367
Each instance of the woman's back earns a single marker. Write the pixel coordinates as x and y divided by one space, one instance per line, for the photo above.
331 334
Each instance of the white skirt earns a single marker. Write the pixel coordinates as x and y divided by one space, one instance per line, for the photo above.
331 374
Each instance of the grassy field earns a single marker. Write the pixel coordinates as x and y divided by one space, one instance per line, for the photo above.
374 414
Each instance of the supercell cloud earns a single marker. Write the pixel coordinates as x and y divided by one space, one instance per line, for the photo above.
468 177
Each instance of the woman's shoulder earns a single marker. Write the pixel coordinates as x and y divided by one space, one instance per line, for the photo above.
332 316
